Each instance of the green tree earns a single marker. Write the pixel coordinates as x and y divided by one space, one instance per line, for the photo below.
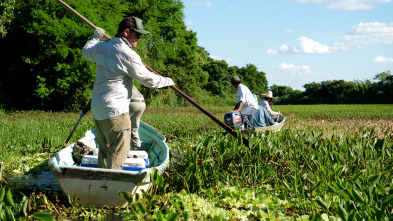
170 49
383 87
338 91
254 79
6 15
280 91
312 92
44 67
283 93
218 76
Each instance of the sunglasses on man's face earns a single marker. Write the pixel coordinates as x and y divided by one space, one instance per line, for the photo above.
138 35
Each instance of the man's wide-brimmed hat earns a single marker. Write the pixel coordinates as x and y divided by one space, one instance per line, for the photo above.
269 94
133 23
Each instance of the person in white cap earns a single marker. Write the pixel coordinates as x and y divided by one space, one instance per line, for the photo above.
118 65
266 101
245 100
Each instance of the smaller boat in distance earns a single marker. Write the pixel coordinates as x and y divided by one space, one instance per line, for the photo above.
235 120
275 127
101 187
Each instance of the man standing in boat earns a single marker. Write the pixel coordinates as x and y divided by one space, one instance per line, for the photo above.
245 100
118 65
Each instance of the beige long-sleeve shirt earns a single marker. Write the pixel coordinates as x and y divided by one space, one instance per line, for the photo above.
117 66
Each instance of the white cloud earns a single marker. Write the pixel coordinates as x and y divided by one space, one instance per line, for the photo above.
370 33
306 46
218 58
310 46
340 46
207 4
197 4
231 7
347 4
271 52
382 59
284 48
295 69
363 34
189 24
288 30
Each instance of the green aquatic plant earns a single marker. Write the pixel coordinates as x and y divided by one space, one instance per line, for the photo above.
323 165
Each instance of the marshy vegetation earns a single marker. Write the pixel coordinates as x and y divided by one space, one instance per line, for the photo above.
329 162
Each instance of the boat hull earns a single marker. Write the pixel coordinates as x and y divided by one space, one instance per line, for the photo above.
101 187
277 127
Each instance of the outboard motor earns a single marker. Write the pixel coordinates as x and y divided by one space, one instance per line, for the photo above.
234 120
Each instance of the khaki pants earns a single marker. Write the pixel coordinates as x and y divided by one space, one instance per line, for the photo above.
136 111
113 139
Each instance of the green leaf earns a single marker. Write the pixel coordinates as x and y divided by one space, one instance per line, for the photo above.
160 181
173 216
24 204
381 189
357 196
44 216
316 217
142 208
388 200
2 193
154 174
239 138
252 141
322 204
338 186
352 215
137 196
350 194
332 189
8 199
9 214
127 196
190 172
158 216
221 149
207 140
343 214
373 180
186 215
355 176
164 187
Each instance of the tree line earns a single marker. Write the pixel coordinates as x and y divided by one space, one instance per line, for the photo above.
379 91
42 66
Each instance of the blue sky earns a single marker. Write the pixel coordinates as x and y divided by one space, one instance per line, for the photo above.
296 42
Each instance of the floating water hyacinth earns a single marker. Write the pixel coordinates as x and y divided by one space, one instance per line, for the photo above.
338 169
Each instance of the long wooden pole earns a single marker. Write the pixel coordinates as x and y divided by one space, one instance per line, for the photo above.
82 113
211 116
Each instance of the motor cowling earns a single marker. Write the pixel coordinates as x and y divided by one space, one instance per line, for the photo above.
233 120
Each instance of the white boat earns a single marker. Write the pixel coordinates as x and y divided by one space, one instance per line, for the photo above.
101 187
275 127
236 121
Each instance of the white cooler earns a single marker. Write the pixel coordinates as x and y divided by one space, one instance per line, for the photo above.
137 160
